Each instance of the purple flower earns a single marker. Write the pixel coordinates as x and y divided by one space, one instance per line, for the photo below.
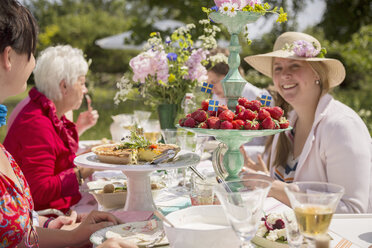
214 8
304 48
172 56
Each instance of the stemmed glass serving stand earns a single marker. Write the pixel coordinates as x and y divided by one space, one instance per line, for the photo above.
233 85
139 196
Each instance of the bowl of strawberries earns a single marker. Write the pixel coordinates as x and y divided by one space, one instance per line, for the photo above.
250 119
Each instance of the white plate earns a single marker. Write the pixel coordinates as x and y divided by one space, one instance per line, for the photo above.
135 232
90 160
265 243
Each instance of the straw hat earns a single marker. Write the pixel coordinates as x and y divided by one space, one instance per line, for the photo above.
263 62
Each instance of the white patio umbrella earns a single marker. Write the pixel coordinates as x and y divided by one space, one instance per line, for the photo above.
118 41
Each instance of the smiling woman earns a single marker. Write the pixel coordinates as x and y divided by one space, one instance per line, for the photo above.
329 142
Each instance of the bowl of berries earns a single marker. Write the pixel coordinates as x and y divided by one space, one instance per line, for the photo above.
249 120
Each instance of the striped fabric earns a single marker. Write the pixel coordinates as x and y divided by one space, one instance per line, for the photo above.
286 174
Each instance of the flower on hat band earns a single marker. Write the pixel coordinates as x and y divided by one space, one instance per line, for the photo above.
303 48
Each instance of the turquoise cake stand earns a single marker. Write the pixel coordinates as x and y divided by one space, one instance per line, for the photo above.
233 160
233 85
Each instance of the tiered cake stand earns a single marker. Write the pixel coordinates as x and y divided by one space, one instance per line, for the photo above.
139 196
233 85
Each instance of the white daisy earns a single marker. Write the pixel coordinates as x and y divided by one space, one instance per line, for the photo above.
225 8
233 10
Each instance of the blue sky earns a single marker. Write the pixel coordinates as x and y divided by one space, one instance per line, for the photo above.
311 15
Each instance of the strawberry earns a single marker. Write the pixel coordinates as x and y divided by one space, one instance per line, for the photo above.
283 123
250 114
226 125
214 122
226 115
182 121
189 122
239 109
238 124
263 114
251 125
211 113
221 109
242 101
279 224
268 123
275 112
203 125
253 105
199 115
247 115
205 105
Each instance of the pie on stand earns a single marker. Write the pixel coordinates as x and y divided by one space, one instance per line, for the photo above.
139 196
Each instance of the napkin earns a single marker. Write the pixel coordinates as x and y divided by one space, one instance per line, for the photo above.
133 216
340 242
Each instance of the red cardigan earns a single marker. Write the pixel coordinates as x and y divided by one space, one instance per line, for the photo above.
44 147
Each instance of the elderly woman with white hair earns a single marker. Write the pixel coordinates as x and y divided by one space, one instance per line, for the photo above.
41 139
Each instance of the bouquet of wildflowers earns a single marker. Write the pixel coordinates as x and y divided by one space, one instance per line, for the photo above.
169 68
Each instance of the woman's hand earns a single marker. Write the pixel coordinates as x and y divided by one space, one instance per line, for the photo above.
86 119
92 222
249 164
61 221
277 187
117 243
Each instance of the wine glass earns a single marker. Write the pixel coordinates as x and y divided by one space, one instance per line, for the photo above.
242 202
294 236
314 204
151 131
141 117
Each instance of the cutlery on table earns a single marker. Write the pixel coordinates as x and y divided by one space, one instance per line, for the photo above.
166 155
162 217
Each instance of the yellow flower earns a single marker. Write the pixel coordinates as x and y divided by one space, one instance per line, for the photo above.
282 18
171 78
153 34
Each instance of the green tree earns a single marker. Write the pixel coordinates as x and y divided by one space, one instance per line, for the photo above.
344 18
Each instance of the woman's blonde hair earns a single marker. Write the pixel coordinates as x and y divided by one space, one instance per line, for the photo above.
284 146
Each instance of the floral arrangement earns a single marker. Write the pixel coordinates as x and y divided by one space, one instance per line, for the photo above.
272 227
169 68
303 48
231 8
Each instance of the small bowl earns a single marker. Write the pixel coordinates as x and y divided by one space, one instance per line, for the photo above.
114 200
107 200
200 227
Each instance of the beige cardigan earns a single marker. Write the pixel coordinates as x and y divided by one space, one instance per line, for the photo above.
338 150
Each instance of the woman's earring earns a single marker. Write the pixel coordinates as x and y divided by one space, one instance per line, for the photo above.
317 82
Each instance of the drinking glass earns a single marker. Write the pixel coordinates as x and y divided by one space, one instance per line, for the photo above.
294 236
170 136
151 131
242 202
202 192
314 204
141 117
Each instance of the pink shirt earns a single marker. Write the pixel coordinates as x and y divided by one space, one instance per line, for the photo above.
338 150
44 147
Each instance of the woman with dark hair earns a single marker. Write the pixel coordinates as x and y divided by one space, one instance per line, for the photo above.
329 142
18 36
